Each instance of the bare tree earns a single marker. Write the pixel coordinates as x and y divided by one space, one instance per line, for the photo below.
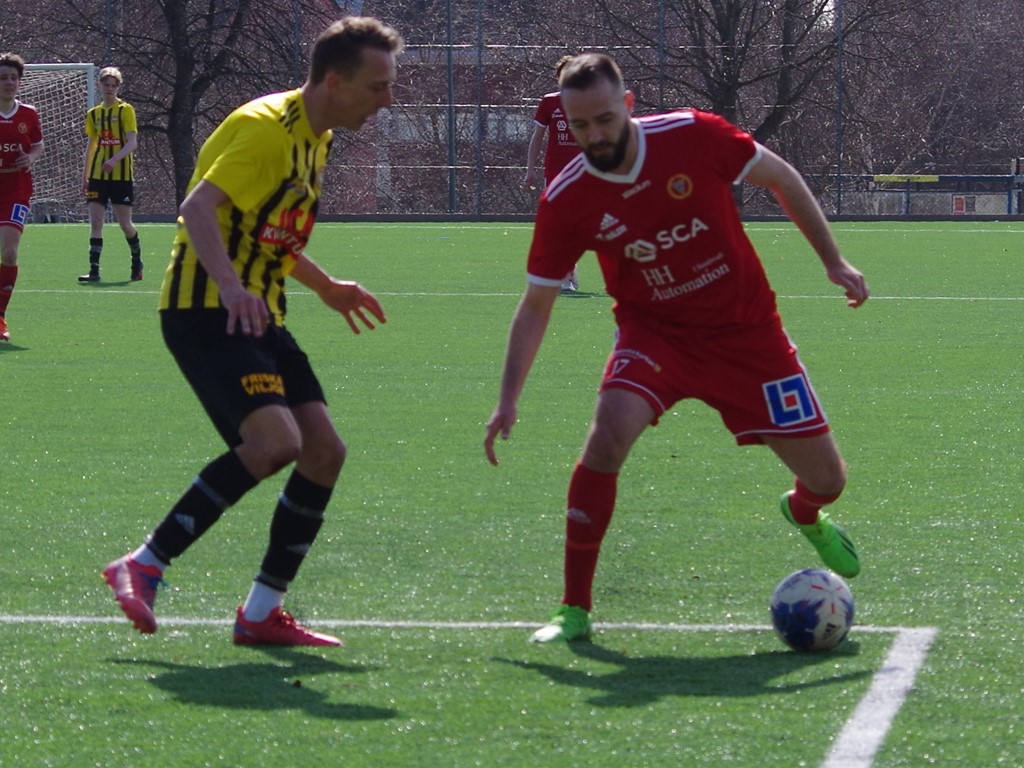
752 61
950 101
924 84
187 62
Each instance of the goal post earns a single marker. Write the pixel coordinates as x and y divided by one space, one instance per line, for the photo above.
62 93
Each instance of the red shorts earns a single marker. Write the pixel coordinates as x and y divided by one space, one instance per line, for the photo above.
752 377
14 214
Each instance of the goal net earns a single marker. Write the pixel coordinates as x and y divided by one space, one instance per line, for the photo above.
62 93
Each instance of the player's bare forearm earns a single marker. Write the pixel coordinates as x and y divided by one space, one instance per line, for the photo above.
797 200
247 312
199 213
311 275
35 151
524 340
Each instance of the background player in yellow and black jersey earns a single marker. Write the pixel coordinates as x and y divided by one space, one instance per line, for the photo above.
242 230
110 171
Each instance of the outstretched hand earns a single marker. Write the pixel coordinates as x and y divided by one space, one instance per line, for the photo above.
500 423
354 302
849 278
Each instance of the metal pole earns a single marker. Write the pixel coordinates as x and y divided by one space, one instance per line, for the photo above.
840 23
661 55
479 107
453 197
297 41
110 32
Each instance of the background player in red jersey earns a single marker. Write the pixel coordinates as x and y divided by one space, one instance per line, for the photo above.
21 142
561 148
696 316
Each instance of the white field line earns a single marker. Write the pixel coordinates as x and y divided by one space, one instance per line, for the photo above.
14 618
856 746
865 731
846 228
506 294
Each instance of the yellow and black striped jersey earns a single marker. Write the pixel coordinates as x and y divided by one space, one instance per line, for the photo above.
108 129
268 161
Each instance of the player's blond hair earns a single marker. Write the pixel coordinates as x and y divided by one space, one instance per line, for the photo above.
113 72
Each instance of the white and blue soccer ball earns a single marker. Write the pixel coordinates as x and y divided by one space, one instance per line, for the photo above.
812 610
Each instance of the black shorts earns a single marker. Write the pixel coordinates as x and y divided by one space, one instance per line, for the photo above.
234 375
105 190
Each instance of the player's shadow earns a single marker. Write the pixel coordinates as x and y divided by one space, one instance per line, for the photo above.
581 295
108 283
261 685
642 681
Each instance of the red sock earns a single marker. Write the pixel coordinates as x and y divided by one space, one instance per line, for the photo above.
8 277
804 504
590 505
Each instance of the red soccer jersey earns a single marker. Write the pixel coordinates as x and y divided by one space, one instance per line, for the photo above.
19 131
562 146
667 234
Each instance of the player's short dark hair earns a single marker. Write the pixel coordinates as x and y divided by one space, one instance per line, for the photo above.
340 47
9 59
561 64
587 68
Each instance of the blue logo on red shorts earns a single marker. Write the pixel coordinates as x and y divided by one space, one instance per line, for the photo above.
790 401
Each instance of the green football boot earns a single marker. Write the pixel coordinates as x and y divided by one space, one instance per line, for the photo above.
833 545
569 622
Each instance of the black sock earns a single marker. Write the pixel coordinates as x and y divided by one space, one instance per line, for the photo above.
95 249
135 248
220 485
297 520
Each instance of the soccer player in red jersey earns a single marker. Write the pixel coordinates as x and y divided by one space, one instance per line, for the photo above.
696 316
21 143
561 148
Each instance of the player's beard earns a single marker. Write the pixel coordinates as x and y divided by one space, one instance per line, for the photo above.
611 161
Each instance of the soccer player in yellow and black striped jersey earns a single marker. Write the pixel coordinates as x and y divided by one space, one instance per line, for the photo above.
110 171
242 229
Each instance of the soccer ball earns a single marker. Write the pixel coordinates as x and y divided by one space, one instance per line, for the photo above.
812 610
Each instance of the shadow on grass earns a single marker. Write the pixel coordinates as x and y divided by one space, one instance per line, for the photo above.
109 283
261 686
645 680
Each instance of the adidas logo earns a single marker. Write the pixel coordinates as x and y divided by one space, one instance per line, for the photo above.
611 228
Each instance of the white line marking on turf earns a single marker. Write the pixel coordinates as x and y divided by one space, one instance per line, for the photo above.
855 747
388 624
865 732
514 294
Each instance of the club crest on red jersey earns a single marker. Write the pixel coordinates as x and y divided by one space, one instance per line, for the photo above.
680 186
